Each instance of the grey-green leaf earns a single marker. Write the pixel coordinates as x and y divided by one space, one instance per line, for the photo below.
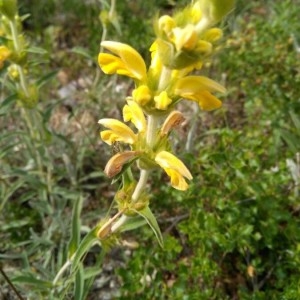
147 214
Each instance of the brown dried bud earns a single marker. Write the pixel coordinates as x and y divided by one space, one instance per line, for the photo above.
174 119
116 163
104 231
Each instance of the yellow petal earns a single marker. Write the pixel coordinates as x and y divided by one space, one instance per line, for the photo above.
177 181
162 101
195 84
127 59
207 101
198 88
4 54
118 132
132 112
185 37
156 64
175 169
166 24
212 35
167 160
111 64
142 95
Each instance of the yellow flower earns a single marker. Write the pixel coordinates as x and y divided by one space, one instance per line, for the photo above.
195 13
142 95
185 38
4 54
132 112
175 169
166 24
126 61
119 132
162 101
212 35
156 64
199 88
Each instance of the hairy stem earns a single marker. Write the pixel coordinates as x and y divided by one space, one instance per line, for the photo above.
17 46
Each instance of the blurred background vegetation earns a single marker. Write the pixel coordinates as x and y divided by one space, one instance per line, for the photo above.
233 235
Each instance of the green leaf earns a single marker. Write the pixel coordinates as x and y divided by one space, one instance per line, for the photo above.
92 175
42 81
147 214
133 223
12 189
92 272
36 50
291 140
79 283
33 281
87 243
8 100
75 235
82 51
296 121
6 104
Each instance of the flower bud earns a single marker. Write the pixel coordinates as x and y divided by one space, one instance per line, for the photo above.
212 35
185 37
162 101
30 99
8 8
115 164
4 54
142 95
174 119
13 72
104 231
166 24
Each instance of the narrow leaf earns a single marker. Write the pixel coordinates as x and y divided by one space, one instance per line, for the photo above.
36 50
82 51
32 281
296 121
88 241
75 235
79 283
147 214
42 81
133 223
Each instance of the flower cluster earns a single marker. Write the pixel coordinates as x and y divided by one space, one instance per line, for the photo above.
14 53
183 43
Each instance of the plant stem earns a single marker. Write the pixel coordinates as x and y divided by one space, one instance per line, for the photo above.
141 185
112 8
153 123
17 46
30 117
63 269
